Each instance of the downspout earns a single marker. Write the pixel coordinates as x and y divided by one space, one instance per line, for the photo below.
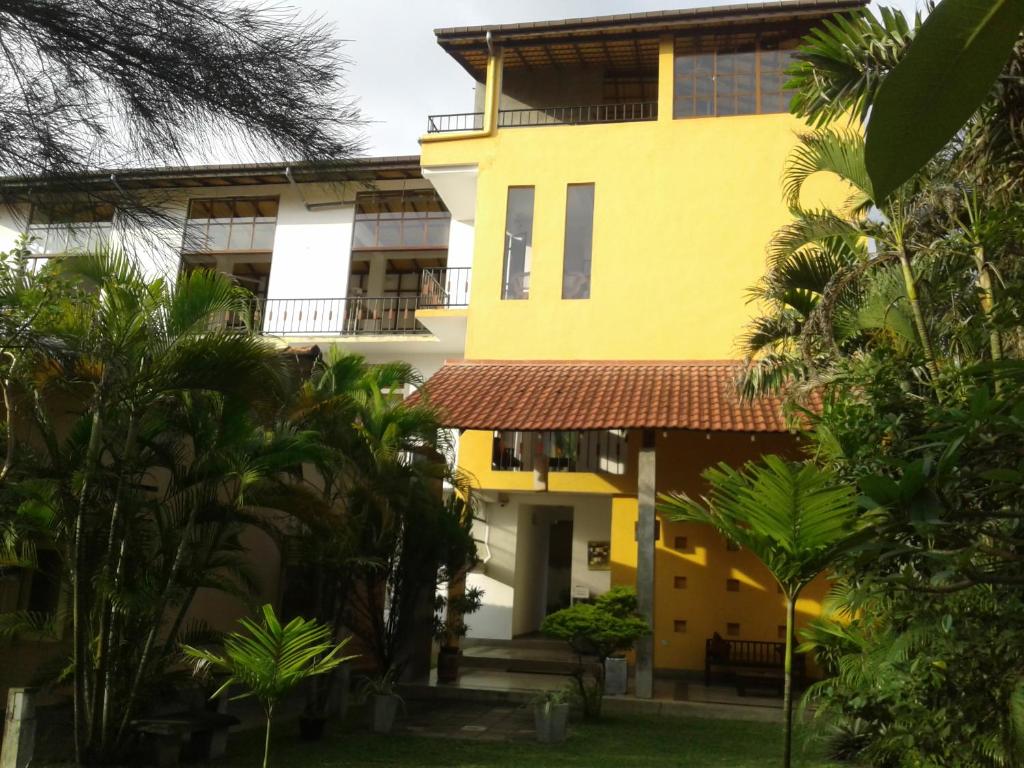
492 99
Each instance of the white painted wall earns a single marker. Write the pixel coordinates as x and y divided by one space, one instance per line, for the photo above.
532 537
496 575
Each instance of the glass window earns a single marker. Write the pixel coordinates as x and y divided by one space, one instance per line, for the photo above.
579 239
401 219
736 83
515 279
774 96
731 78
81 226
224 224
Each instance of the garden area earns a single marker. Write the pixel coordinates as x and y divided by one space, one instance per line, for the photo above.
618 740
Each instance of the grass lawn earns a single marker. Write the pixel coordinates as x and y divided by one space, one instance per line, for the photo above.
619 741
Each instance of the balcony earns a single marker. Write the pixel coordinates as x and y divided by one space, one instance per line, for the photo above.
571 115
358 316
444 288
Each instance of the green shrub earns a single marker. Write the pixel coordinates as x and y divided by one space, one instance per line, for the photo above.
600 629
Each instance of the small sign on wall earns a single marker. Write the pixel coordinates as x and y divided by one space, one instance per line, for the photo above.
599 555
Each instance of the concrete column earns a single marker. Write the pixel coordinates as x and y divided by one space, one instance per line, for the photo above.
646 528
666 77
19 728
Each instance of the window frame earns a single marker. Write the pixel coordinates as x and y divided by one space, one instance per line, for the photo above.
722 47
188 249
588 262
524 290
401 217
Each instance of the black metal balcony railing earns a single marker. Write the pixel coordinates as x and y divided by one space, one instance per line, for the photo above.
583 114
465 121
579 115
337 317
444 287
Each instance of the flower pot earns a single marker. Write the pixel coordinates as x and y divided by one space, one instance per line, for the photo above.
382 712
448 665
550 722
311 728
616 675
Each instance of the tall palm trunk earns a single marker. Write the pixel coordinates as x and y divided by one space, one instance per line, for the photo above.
79 625
988 305
910 285
787 691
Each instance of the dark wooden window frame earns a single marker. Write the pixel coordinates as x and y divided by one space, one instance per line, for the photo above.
724 47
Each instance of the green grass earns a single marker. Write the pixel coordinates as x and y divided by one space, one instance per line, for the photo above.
619 741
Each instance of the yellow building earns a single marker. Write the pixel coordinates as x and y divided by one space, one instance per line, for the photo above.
618 184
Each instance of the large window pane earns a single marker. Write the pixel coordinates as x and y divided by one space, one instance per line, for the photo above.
518 244
579 237
730 77
405 219
230 224
736 82
74 226
694 85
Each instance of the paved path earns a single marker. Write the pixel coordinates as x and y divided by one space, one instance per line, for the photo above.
470 721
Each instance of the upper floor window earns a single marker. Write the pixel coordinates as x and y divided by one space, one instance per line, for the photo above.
579 241
400 219
70 227
222 224
515 276
730 79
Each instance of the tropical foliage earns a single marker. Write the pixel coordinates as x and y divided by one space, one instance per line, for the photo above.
891 316
150 441
795 518
270 659
608 625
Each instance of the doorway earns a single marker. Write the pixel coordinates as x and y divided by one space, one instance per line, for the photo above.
559 576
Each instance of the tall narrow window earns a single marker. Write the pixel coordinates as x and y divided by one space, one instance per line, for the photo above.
579 241
515 279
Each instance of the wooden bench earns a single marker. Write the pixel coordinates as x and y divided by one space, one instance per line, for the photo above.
751 663
198 735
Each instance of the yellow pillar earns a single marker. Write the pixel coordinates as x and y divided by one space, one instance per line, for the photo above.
492 89
666 76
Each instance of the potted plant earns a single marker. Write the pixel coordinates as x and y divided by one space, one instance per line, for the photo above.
450 627
383 699
551 715
608 625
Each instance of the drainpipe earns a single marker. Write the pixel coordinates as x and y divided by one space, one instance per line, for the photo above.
492 99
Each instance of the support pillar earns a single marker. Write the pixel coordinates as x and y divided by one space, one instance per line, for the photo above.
19 728
646 541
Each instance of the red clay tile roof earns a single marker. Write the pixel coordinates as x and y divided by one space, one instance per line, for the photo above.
536 395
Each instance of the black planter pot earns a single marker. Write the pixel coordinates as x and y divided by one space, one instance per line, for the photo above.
311 728
448 665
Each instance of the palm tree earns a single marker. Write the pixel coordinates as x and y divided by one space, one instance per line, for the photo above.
271 660
160 439
794 517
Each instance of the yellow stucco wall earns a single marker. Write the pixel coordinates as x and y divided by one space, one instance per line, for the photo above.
684 210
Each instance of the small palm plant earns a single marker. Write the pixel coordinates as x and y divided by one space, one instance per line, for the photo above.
271 659
795 518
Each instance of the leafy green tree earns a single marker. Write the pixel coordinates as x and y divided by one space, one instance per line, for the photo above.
271 659
608 625
143 454
795 518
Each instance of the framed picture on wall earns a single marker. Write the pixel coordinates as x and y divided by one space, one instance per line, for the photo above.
599 555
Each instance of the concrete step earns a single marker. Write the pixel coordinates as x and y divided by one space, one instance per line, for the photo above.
527 665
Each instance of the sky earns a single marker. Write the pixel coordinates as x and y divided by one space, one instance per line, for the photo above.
398 73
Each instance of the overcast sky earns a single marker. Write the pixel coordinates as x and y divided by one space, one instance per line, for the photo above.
400 75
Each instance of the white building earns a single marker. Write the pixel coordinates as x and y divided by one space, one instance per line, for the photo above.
364 256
